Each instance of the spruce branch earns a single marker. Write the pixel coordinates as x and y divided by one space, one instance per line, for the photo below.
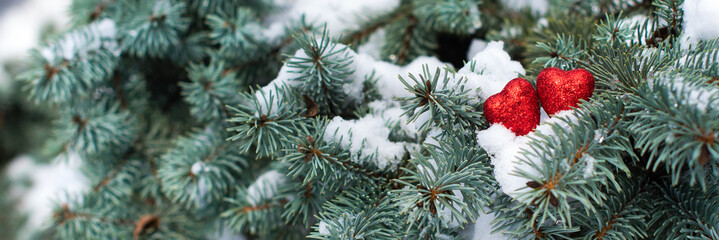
315 159
445 106
96 128
200 171
210 91
686 212
154 27
73 65
265 121
448 186
623 215
258 208
454 16
237 33
370 216
670 128
323 71
589 159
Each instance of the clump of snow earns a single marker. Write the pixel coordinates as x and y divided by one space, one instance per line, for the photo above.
475 47
323 228
265 186
392 113
339 15
700 21
537 6
702 98
505 149
373 46
79 43
226 234
21 27
274 32
490 70
633 23
363 66
37 200
689 93
197 167
390 86
202 184
482 229
269 97
589 170
364 137
433 136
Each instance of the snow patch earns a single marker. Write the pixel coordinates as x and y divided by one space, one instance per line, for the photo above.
483 229
700 21
504 149
373 46
388 74
323 228
364 137
490 70
475 47
21 27
80 43
38 199
537 6
265 186
589 169
340 16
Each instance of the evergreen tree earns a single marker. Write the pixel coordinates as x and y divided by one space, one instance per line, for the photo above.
195 117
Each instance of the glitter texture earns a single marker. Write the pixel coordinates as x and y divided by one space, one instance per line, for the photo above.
560 90
516 107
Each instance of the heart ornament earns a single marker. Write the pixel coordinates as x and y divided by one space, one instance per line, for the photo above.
561 90
516 107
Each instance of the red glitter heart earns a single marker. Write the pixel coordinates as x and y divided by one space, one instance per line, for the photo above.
516 107
560 90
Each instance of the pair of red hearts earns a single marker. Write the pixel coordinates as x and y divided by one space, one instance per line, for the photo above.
517 105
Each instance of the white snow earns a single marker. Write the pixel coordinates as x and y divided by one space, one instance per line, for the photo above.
265 186
268 96
475 47
364 137
589 170
689 94
21 25
433 136
50 183
80 42
197 167
483 229
537 6
493 69
373 46
702 98
391 112
339 16
363 65
226 234
700 21
389 84
504 149
323 228
203 185
633 23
